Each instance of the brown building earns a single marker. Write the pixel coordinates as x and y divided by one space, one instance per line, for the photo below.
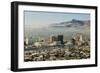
52 39
77 39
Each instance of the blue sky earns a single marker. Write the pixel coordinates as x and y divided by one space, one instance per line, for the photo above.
40 19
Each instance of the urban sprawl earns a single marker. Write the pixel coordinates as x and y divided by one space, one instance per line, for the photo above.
56 48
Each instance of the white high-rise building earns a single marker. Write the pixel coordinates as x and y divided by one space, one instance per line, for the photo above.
26 41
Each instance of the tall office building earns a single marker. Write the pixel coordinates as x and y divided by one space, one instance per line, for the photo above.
60 38
52 38
26 41
78 39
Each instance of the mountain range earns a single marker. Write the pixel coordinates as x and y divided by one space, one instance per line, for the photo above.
72 23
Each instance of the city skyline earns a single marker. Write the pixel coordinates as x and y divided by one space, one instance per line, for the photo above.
53 36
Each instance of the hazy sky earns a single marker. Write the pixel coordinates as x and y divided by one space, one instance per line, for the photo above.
41 19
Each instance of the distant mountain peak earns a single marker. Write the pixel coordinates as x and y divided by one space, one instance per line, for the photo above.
72 23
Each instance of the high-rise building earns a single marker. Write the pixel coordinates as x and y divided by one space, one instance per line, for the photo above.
60 38
26 41
78 39
52 38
